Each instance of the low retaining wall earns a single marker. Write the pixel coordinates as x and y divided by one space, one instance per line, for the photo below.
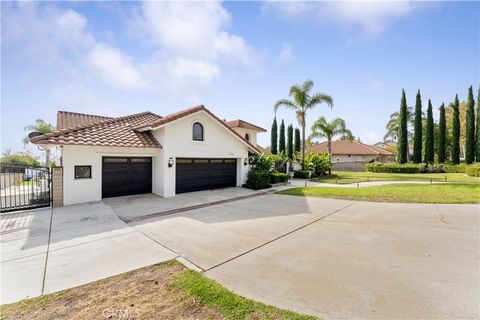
349 166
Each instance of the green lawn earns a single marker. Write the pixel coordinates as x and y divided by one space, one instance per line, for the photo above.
416 193
345 177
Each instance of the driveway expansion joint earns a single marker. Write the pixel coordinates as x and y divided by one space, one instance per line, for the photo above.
189 208
279 237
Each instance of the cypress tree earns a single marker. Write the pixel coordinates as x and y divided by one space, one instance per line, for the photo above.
281 142
290 142
470 128
429 136
274 137
402 147
417 134
442 135
456 131
298 144
477 128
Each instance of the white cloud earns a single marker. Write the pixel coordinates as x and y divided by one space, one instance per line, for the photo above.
286 55
370 17
192 43
115 68
45 34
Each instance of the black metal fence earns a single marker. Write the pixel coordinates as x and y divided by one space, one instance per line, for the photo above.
24 188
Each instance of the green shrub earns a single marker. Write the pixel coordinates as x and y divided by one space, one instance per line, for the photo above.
319 164
301 174
459 168
473 170
259 175
396 168
278 177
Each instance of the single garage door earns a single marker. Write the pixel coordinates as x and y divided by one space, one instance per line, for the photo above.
122 176
205 174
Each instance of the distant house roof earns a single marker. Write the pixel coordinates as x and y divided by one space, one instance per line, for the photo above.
244 124
350 147
128 131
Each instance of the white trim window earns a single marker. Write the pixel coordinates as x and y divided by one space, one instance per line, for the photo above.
198 132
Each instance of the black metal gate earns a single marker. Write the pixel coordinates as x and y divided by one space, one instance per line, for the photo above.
24 188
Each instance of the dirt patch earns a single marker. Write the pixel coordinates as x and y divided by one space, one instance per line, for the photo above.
141 294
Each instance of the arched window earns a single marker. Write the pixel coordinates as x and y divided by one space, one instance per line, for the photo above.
247 137
197 132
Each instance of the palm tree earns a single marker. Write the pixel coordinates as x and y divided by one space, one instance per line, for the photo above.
302 101
43 127
324 129
392 125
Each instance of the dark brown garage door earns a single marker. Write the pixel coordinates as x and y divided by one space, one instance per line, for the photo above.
205 174
122 176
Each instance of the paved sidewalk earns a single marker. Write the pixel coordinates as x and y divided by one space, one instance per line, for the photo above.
87 242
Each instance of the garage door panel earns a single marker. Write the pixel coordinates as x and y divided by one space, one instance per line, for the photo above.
205 174
123 176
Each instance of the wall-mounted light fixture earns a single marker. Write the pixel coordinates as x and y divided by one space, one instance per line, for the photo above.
171 162
245 161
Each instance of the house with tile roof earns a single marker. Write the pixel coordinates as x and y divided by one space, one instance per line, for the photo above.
186 151
354 155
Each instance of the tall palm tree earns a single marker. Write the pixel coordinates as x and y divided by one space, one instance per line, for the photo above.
43 127
392 125
302 101
324 129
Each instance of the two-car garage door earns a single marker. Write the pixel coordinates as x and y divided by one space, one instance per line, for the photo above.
123 176
205 174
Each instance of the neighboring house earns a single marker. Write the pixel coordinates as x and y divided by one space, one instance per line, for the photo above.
353 155
141 153
385 144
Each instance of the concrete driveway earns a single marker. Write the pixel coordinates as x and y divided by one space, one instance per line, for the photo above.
332 258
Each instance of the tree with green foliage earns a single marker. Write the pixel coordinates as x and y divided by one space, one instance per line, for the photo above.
297 143
302 101
429 136
281 142
324 129
290 142
19 159
402 146
274 137
392 125
442 135
417 130
43 127
456 131
477 128
470 128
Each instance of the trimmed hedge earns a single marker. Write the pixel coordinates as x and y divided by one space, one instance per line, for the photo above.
473 170
395 168
278 177
301 174
459 168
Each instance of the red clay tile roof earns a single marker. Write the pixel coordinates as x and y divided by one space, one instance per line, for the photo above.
244 124
70 120
187 112
350 147
113 132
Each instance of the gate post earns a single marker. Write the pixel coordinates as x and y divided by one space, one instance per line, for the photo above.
57 187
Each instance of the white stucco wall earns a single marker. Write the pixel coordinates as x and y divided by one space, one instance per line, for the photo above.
353 158
86 190
177 142
176 139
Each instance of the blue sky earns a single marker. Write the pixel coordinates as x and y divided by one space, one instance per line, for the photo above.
236 58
